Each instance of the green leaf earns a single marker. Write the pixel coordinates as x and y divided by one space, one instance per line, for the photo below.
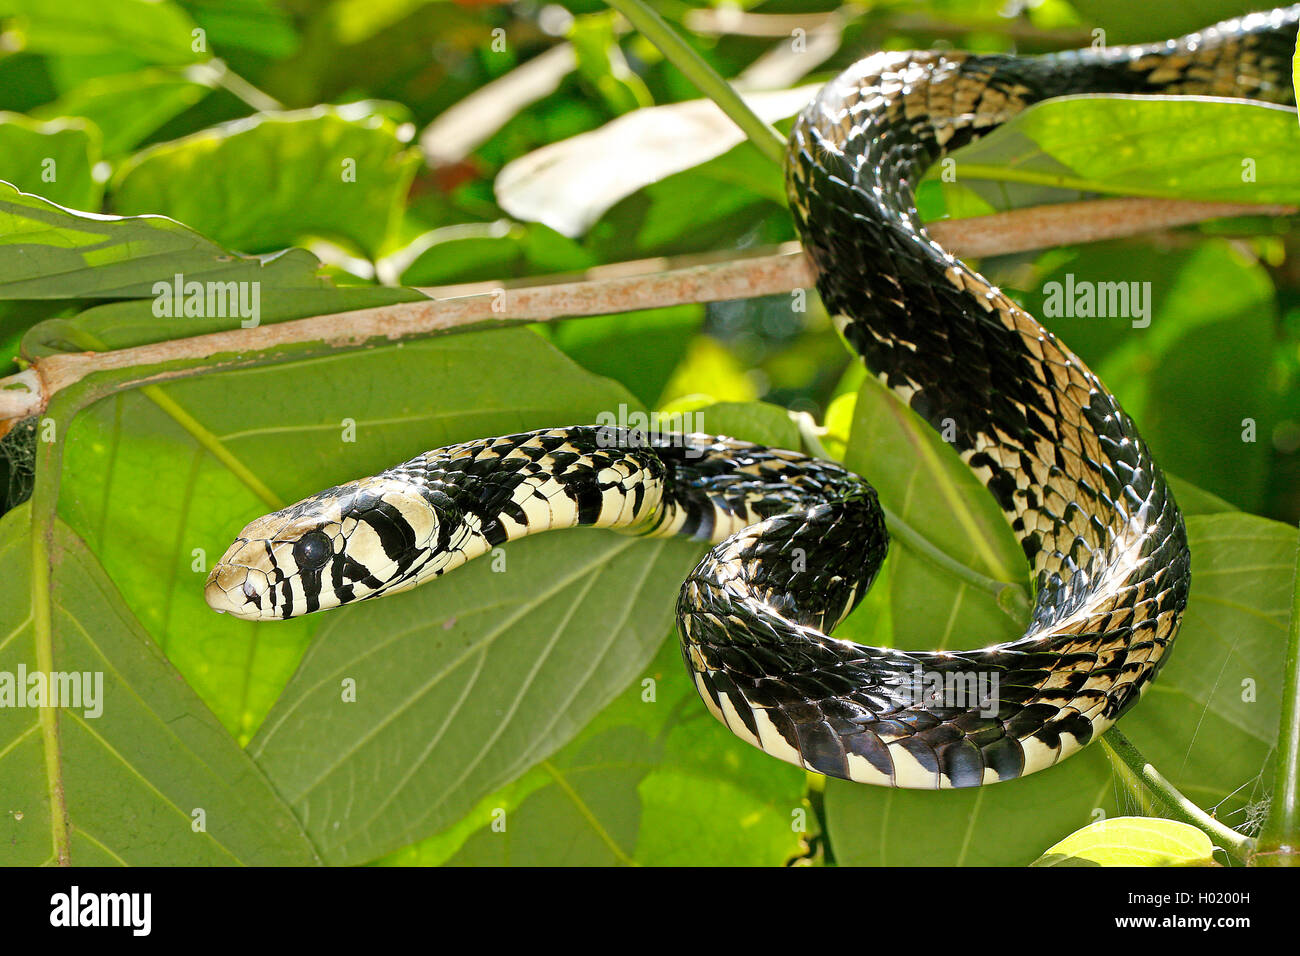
602 65
921 480
587 816
124 786
1137 146
686 203
51 253
128 107
473 681
709 373
261 183
479 252
155 31
1003 825
1132 841
677 791
55 159
1133 23
639 349
652 779
752 421
1196 501
259 26
1209 722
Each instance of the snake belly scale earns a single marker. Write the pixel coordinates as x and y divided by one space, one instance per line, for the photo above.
798 541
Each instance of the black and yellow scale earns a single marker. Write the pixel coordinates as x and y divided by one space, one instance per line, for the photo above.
799 541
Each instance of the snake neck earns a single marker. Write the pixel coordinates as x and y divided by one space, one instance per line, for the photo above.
488 492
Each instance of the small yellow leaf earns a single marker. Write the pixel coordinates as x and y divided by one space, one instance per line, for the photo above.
1132 841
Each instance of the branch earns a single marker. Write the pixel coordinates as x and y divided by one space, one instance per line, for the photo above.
624 287
1177 806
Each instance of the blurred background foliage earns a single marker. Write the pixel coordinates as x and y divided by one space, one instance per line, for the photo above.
229 116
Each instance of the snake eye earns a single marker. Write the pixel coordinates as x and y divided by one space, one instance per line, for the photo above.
312 550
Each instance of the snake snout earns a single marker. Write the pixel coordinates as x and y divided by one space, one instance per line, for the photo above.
234 587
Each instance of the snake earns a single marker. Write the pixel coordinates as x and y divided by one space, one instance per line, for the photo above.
796 541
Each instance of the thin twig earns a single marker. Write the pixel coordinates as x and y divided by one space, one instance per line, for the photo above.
236 85
1177 806
28 393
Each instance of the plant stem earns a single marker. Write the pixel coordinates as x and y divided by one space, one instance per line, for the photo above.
1176 806
677 52
239 87
43 515
45 493
1279 840
1010 597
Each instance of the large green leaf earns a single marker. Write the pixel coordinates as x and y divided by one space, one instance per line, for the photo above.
264 182
1137 146
589 815
155 31
151 778
489 251
47 252
640 349
55 159
261 26
922 481
463 686
297 427
129 106
652 779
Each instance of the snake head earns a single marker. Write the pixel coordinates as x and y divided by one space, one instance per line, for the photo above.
347 543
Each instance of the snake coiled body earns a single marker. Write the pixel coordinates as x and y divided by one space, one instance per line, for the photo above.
798 541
